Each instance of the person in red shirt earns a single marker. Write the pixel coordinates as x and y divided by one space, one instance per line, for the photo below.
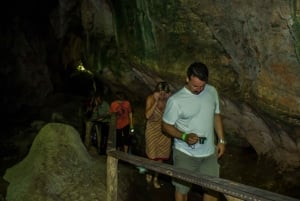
123 110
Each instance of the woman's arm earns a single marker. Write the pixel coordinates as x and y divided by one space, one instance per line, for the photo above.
151 103
131 120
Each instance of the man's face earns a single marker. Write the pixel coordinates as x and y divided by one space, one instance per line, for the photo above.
195 85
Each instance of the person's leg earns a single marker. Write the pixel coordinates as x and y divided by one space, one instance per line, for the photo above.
181 160
149 177
156 184
88 130
210 166
126 138
119 139
126 148
180 196
104 137
98 134
208 197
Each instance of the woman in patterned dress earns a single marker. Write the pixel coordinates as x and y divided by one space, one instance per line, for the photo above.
158 145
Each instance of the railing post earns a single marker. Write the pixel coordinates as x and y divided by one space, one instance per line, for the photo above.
112 179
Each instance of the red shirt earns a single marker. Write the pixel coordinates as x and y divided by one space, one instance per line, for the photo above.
123 109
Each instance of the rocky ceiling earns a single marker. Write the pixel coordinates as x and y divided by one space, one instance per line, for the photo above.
250 47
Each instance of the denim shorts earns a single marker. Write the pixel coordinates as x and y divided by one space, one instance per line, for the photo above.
197 165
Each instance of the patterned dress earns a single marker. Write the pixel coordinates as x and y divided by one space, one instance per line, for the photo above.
158 145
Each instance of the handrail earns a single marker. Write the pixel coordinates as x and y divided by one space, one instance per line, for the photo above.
228 188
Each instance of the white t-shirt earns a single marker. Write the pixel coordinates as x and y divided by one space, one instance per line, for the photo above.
192 113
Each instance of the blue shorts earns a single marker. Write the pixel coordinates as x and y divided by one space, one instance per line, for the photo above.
197 165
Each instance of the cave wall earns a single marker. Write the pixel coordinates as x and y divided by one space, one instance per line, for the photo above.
250 48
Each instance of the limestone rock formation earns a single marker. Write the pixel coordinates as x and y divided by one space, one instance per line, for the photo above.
58 167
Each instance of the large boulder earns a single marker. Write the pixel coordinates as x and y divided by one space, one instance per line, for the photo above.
57 167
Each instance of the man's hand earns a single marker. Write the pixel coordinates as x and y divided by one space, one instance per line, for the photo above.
221 149
191 138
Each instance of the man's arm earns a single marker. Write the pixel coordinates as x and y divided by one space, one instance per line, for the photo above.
220 134
219 126
189 138
171 130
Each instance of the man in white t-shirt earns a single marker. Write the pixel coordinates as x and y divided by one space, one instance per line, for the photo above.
192 116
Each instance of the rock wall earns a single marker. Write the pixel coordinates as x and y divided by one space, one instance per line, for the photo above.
250 49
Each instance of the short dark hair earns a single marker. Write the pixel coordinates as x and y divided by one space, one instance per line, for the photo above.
162 86
120 95
198 70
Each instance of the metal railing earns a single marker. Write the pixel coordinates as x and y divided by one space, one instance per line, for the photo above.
231 190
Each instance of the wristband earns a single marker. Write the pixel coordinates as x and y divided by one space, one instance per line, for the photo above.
183 137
